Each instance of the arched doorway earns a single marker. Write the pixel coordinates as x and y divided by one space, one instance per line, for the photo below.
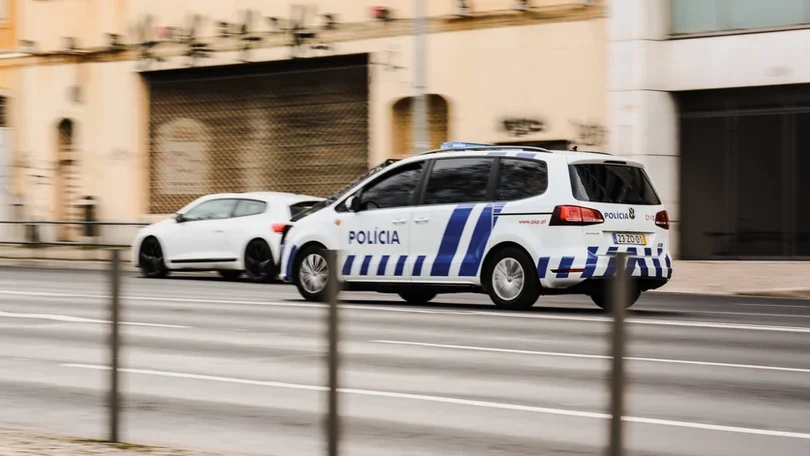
66 179
402 128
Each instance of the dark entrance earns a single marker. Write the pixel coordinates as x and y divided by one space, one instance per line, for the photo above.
745 160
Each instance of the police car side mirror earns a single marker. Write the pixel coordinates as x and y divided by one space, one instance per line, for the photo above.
180 218
353 203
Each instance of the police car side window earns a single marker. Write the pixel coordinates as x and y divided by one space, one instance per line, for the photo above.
518 179
393 190
458 180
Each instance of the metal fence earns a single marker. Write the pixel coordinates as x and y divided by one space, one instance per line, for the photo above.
620 292
293 126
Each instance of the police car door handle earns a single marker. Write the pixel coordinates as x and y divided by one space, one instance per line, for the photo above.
421 220
399 221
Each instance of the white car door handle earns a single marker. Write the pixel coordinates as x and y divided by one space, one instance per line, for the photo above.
219 231
421 220
399 221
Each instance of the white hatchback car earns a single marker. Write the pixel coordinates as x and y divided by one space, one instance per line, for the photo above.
232 233
513 222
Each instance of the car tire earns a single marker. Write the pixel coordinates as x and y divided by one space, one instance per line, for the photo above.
510 278
602 298
150 259
417 297
259 264
230 274
311 274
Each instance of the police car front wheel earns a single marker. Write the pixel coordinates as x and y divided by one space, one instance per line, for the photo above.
312 274
511 280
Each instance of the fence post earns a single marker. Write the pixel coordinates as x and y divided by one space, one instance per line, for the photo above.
333 417
115 307
618 304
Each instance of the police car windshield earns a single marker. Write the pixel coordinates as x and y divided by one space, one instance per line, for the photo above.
340 193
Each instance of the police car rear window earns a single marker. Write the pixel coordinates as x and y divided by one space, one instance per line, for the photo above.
612 183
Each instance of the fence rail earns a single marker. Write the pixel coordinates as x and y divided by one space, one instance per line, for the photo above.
42 233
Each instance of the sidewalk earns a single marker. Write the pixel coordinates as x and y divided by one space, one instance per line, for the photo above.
17 442
789 279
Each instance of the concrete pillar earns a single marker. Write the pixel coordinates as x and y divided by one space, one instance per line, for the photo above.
643 115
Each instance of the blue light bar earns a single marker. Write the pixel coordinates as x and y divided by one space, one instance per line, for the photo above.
462 145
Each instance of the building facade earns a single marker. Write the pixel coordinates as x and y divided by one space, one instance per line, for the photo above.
143 105
715 96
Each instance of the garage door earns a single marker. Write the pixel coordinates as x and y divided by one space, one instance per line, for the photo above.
745 158
294 126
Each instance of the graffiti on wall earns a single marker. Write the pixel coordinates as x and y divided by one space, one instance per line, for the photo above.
589 133
301 28
519 127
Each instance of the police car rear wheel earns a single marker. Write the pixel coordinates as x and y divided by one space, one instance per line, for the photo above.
417 297
511 281
312 274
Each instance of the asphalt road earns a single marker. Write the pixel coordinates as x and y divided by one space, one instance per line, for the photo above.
240 367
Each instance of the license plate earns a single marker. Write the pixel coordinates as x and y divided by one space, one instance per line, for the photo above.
629 239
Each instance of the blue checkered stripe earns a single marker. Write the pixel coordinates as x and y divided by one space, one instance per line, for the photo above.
641 262
440 264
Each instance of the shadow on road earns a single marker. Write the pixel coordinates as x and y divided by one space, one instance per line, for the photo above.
537 309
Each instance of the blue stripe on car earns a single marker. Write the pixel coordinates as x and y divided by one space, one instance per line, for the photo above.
450 240
542 267
590 263
365 265
400 265
565 265
290 261
478 243
382 265
347 266
417 267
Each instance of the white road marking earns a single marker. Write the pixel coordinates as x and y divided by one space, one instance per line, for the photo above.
455 401
489 314
71 319
579 355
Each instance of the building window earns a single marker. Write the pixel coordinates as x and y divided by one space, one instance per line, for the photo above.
706 16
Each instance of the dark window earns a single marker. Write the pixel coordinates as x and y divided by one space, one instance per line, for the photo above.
249 207
608 183
299 207
393 190
458 180
520 179
211 210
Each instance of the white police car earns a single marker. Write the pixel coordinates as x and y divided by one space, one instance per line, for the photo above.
513 222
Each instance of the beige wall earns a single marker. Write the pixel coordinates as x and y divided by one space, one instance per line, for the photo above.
553 72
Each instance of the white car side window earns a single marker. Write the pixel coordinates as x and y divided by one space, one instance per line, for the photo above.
211 210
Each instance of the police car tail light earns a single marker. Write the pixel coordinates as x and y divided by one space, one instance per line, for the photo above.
279 227
576 215
662 220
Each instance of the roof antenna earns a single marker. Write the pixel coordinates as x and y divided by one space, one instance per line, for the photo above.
574 148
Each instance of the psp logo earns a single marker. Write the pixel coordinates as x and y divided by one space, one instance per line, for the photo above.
632 213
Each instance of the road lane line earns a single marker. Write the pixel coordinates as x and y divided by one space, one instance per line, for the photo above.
584 356
71 319
456 401
491 314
